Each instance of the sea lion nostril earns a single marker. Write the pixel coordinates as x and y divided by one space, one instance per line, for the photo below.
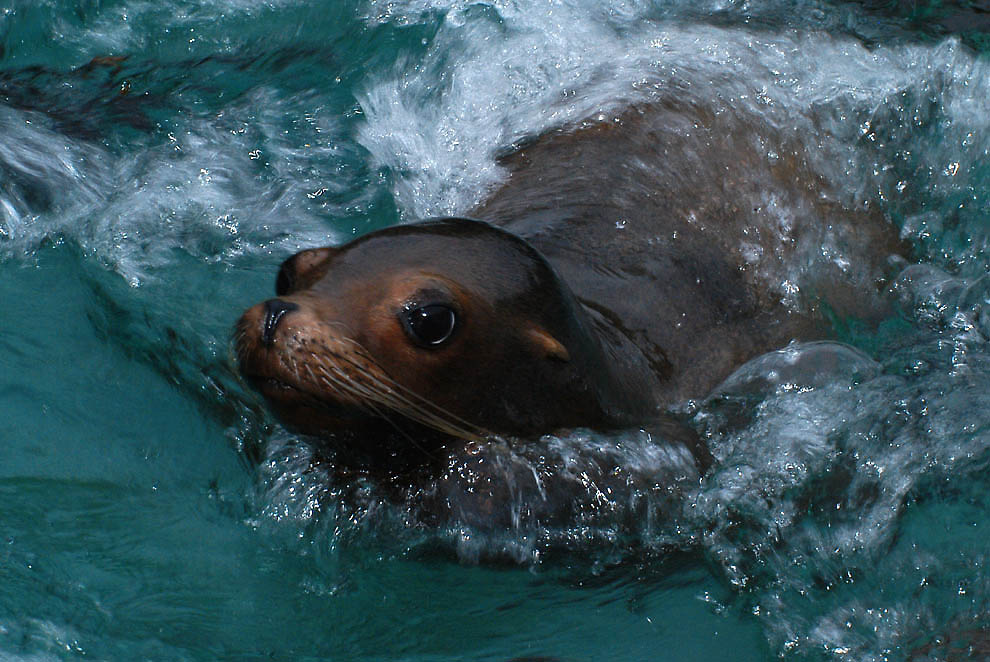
275 310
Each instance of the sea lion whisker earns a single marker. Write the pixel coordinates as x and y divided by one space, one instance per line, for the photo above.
343 383
431 414
471 431
438 413
325 377
384 415
364 398
388 397
337 376
367 402
395 389
395 402
367 397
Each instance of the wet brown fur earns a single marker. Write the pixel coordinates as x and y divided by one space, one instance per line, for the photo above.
687 249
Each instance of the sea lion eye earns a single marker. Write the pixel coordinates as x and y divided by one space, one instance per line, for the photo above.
430 325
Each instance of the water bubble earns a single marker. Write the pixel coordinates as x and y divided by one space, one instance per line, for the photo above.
927 294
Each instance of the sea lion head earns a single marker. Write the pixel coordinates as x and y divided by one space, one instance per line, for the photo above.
450 325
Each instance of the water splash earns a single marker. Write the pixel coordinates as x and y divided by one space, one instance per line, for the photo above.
847 509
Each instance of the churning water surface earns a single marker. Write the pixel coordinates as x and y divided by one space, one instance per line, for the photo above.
159 159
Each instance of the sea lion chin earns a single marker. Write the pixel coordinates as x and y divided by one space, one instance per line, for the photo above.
446 329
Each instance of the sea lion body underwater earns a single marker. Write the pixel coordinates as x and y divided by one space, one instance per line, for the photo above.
608 286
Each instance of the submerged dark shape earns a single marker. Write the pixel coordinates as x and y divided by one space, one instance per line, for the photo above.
82 101
962 643
610 285
94 100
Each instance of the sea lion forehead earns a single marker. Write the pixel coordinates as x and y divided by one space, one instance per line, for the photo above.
471 238
469 252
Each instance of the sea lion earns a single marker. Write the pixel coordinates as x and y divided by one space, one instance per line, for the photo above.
452 323
606 289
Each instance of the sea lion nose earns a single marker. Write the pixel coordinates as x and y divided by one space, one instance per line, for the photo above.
275 310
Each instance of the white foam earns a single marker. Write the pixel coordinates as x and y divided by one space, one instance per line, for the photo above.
499 72
216 189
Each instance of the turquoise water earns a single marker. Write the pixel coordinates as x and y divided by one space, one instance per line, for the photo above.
149 508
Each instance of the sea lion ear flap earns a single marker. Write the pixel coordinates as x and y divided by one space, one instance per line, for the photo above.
546 345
